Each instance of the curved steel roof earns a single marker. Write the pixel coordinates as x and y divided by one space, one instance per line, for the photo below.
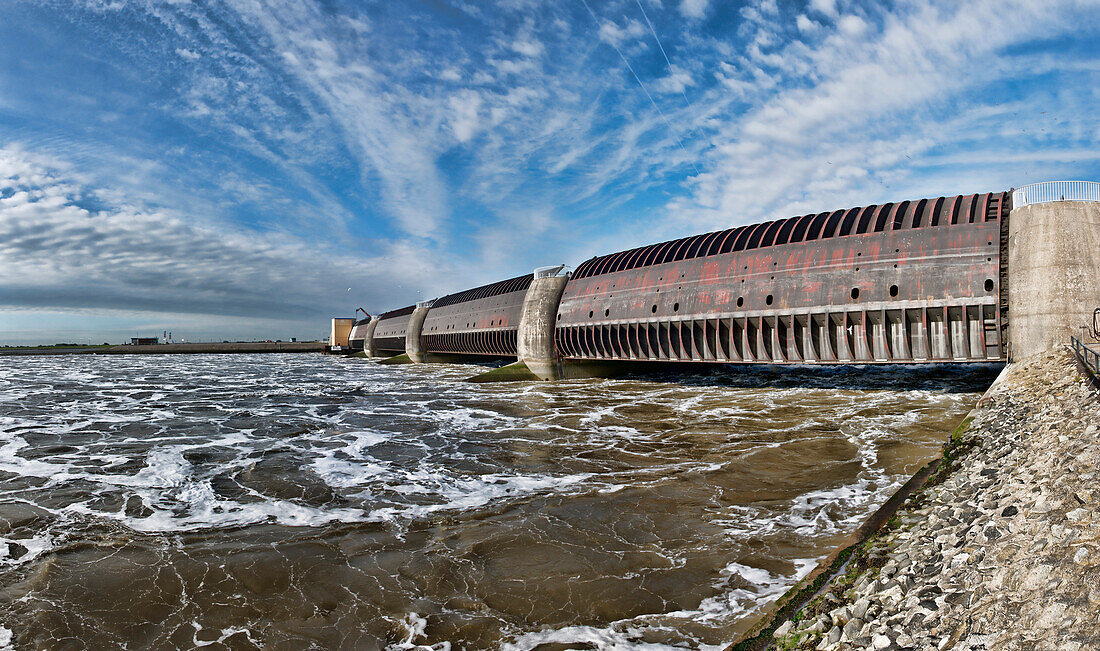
804 228
485 291
405 311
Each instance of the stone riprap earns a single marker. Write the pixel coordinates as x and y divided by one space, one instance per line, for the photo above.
999 550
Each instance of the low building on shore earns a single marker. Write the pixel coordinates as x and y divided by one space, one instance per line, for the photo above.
341 330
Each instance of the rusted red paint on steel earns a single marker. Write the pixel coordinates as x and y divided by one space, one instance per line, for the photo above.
808 270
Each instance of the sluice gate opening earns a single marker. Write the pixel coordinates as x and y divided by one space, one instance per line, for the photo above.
930 334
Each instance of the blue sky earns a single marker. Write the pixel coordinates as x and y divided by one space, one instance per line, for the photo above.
248 169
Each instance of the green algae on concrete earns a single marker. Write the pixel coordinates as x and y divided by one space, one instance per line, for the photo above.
396 359
517 372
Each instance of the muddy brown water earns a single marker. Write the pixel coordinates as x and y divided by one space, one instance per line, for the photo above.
291 501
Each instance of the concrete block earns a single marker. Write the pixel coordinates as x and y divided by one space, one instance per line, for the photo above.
1053 274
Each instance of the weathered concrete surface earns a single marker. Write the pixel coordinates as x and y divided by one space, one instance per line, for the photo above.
413 348
1054 274
368 342
535 339
162 349
1001 550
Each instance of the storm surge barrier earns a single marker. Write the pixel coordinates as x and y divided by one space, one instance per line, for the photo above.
957 279
912 281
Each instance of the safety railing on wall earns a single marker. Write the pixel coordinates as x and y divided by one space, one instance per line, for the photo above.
1088 355
548 272
1049 191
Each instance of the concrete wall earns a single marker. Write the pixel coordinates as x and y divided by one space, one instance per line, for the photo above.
535 342
368 342
413 348
1053 274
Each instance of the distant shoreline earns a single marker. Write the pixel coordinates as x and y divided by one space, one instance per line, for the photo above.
168 349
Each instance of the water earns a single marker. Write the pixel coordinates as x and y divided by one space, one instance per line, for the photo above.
288 501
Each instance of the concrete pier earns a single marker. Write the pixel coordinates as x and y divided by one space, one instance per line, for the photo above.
536 326
1054 274
413 348
368 342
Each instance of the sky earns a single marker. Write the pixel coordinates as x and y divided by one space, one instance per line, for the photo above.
246 169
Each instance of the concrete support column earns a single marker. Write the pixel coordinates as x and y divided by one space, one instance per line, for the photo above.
1053 274
412 333
368 343
535 340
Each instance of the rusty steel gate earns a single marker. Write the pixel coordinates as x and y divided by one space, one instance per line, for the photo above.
915 281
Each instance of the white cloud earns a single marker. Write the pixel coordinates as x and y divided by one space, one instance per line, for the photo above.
465 120
851 119
54 253
384 124
190 55
851 25
825 7
610 32
693 8
527 47
677 81
550 124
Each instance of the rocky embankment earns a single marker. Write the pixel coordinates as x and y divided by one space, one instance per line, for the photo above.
999 550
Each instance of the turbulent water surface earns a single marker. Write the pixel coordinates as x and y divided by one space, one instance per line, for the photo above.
288 501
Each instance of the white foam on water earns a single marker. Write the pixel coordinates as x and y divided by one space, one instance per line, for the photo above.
621 636
365 439
342 473
594 416
35 546
730 605
10 461
467 493
413 627
197 507
396 445
223 635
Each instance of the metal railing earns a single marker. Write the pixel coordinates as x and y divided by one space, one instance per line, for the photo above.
548 272
425 303
1049 191
1088 355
